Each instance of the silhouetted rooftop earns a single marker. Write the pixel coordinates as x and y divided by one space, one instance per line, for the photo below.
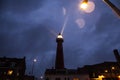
11 62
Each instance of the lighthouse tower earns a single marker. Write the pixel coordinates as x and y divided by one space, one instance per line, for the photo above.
59 62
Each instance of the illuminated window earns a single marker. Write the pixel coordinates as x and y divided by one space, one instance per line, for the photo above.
10 72
106 70
113 67
75 78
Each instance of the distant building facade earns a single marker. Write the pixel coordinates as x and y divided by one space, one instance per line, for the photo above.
12 68
101 71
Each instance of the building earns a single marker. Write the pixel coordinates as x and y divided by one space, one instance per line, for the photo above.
101 71
29 77
12 68
105 70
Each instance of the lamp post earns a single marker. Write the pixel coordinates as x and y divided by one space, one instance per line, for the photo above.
34 61
113 7
84 5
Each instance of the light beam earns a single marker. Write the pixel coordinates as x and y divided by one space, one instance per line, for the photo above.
65 21
64 25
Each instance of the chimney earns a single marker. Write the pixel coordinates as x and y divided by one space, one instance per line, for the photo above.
117 56
59 62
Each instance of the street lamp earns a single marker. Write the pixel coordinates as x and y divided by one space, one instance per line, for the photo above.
84 4
34 61
87 6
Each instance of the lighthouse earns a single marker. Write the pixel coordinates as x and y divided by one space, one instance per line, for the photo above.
59 62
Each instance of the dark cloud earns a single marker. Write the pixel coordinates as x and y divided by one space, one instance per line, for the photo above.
107 32
96 44
29 28
20 6
106 23
28 40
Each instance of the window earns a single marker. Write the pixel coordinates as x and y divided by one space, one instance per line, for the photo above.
10 72
106 70
113 68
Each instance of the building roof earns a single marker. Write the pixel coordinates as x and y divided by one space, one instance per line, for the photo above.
101 67
12 62
87 69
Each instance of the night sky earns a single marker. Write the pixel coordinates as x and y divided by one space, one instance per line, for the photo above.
29 28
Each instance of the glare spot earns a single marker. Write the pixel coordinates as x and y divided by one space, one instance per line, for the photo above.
89 7
80 23
35 60
10 72
83 6
59 36
41 77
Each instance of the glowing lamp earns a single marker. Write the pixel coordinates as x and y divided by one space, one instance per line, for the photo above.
113 68
35 60
41 77
106 70
10 72
101 76
84 4
59 36
119 76
87 6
